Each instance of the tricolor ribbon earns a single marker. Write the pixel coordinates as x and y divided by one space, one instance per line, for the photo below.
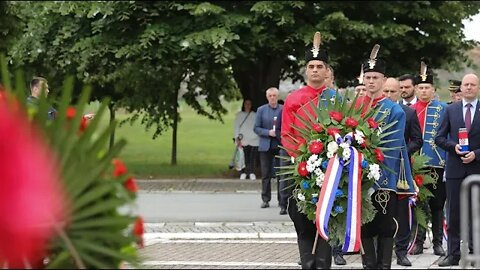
412 202
445 232
326 197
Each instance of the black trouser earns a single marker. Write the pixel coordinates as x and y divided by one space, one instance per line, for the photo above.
306 233
268 172
402 237
250 155
382 226
435 208
284 187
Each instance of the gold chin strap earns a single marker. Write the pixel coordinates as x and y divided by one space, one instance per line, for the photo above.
382 197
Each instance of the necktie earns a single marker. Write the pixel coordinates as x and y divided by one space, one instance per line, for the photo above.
468 117
408 104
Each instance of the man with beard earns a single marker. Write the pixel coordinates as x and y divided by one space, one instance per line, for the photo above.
407 89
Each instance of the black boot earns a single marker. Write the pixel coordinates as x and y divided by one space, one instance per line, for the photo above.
437 231
307 259
323 254
384 252
369 258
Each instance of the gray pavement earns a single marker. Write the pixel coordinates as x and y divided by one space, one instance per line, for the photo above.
227 244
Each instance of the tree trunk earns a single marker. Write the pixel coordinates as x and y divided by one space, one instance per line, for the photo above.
173 161
255 77
111 107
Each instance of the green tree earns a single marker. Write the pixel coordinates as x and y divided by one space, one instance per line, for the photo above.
149 50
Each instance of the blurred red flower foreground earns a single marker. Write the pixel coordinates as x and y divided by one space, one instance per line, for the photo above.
31 198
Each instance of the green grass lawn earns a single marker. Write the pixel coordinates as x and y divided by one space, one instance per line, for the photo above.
204 147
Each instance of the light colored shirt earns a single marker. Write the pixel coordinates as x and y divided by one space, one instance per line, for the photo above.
246 129
472 109
414 100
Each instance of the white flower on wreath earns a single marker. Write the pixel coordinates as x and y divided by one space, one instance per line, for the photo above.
318 171
346 151
359 136
312 163
319 179
332 148
301 197
373 171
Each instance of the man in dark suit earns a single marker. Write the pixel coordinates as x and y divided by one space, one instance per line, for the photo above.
413 138
460 164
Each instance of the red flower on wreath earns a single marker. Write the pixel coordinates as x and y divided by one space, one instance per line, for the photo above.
131 185
331 131
120 168
71 112
138 231
351 122
379 155
32 198
302 169
337 116
317 127
419 180
315 147
372 123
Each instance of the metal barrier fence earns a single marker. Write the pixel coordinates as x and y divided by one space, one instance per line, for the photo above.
470 191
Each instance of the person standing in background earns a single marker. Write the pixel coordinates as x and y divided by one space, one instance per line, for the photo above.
267 126
244 136
460 164
407 89
39 86
429 112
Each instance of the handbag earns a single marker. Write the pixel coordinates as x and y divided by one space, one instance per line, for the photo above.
239 159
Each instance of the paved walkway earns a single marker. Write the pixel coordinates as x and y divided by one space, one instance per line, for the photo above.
232 245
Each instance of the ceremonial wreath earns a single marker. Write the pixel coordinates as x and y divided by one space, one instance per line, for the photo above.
337 163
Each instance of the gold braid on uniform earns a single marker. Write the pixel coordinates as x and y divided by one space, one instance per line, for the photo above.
402 180
434 175
382 197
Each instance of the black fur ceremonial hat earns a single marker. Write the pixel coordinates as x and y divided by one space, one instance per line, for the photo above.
374 63
315 53
423 77
454 85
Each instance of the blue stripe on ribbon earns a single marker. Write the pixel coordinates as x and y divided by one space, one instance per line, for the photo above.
348 231
331 196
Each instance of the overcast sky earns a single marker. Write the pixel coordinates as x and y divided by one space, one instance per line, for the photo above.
472 29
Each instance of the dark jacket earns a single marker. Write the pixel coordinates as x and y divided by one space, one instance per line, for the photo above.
413 133
447 138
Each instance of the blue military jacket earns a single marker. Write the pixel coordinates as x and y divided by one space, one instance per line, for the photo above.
434 112
396 159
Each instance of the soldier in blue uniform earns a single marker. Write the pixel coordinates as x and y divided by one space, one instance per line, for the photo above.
398 180
429 112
